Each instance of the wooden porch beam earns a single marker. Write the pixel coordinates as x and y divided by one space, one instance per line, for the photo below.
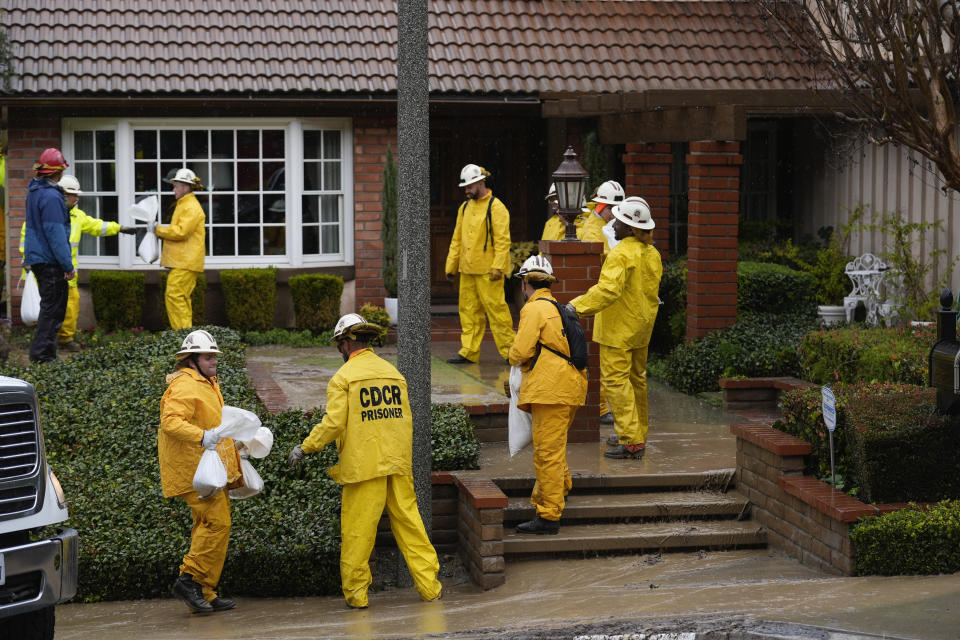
723 122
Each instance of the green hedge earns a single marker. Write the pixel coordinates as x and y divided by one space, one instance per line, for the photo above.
909 541
866 355
249 297
764 287
101 412
316 301
670 327
118 298
198 300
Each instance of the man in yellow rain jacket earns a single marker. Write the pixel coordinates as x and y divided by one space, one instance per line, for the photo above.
183 248
190 410
80 223
555 227
551 390
625 303
480 253
368 415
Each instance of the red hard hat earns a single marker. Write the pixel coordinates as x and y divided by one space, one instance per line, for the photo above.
51 161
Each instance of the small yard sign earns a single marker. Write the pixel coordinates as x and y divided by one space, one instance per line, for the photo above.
829 408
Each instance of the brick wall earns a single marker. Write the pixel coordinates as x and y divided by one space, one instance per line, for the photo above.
480 529
577 268
648 176
370 139
714 206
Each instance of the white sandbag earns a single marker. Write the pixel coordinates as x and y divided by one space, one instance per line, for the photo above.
146 210
239 424
30 301
252 482
261 443
519 423
149 248
211 475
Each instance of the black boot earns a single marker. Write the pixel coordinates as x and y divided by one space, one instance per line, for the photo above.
191 594
623 452
613 440
539 526
222 604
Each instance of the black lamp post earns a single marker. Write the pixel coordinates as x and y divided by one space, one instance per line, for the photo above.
571 181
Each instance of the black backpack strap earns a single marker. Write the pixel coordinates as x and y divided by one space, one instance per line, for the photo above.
563 332
489 222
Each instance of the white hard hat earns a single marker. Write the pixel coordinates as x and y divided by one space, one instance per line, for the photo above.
610 192
473 173
552 193
70 184
353 324
537 267
186 176
635 212
198 341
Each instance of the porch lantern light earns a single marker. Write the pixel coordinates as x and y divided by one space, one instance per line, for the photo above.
571 181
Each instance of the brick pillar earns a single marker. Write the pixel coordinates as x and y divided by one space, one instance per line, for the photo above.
714 208
648 176
577 268
27 137
370 139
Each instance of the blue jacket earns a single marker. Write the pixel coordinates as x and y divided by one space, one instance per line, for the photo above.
48 226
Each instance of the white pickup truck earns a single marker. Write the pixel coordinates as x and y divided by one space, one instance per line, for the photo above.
35 573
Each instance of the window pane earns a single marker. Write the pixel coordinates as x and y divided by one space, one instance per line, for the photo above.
222 177
331 176
83 145
274 241
248 176
273 176
144 144
248 144
273 143
311 240
106 178
331 239
167 205
105 148
311 176
222 144
108 208
221 210
311 145
88 245
84 173
248 241
248 209
171 144
110 246
221 239
202 170
275 209
168 170
330 208
196 144
331 145
310 209
144 177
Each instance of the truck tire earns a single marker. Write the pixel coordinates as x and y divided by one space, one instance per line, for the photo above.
36 625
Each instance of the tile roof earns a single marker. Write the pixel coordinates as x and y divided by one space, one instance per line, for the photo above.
168 47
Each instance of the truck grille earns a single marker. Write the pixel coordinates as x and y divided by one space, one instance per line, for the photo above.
18 500
19 443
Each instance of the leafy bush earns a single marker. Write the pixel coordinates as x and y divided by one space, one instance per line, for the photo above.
670 327
198 300
866 355
454 444
287 338
118 298
249 297
772 288
376 315
756 345
316 301
909 541
519 252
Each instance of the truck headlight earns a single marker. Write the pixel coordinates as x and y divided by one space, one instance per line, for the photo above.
61 497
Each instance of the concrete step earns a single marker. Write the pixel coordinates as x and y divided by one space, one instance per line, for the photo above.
638 537
653 505
719 480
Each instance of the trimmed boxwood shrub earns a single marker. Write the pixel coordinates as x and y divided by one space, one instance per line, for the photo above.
118 298
670 327
865 355
764 287
909 541
100 412
316 301
249 297
454 444
198 300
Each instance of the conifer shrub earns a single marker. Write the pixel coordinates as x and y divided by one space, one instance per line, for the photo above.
118 298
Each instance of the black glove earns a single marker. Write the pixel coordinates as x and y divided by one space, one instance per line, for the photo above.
128 230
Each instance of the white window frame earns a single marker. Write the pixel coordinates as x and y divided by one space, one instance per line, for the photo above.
294 127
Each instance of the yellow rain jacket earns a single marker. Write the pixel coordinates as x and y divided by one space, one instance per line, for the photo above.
80 223
191 405
592 231
476 249
183 237
625 297
552 380
555 228
368 414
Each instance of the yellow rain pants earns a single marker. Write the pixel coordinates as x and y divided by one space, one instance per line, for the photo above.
69 327
550 425
180 285
208 540
623 378
479 296
361 507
